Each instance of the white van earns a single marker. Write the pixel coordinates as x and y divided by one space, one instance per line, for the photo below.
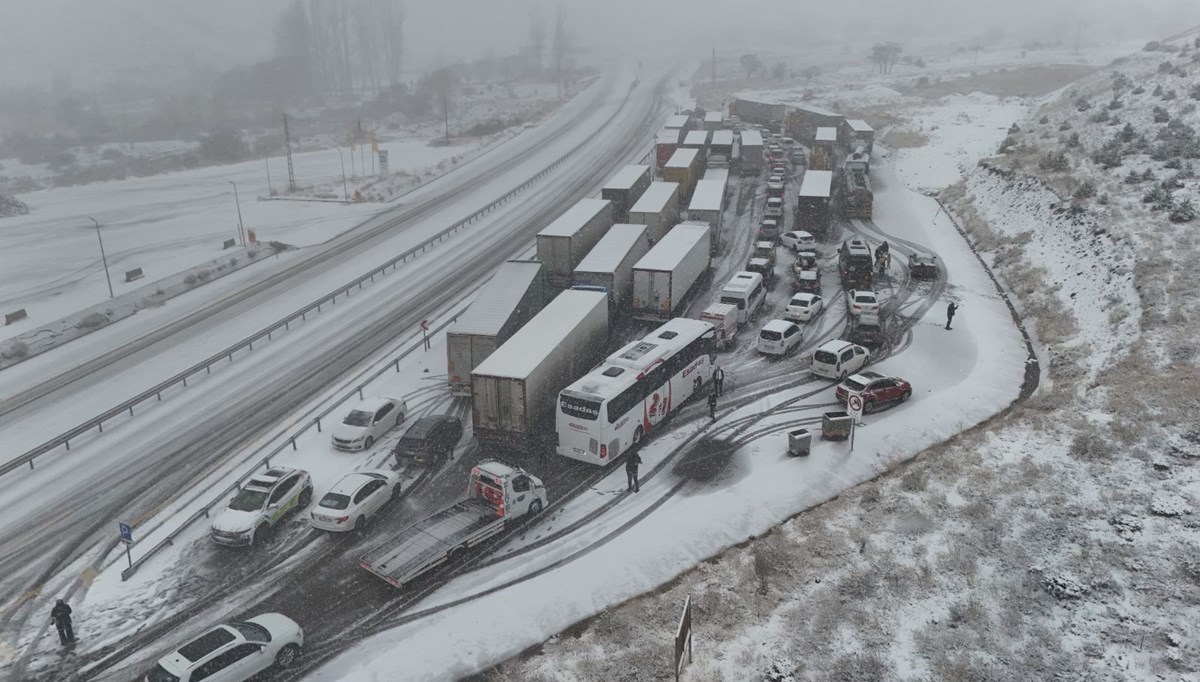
746 291
839 359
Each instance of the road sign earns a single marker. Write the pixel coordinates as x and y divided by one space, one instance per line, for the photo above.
854 406
424 325
126 533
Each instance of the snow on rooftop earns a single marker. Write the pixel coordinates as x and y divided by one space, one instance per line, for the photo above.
708 196
526 349
612 248
627 177
713 117
670 251
859 126
722 138
670 136
751 138
676 121
826 134
498 299
656 197
719 174
698 137
570 222
816 183
683 158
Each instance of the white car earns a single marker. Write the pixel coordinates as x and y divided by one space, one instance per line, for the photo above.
862 301
803 307
778 337
774 208
798 240
353 501
233 652
263 502
367 422
839 359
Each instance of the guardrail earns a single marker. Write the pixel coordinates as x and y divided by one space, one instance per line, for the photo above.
265 460
64 439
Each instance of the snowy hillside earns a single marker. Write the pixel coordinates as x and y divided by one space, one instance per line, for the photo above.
1058 540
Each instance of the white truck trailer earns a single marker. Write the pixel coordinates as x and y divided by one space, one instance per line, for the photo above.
706 206
498 496
751 152
609 265
625 188
513 392
658 209
510 298
564 242
665 275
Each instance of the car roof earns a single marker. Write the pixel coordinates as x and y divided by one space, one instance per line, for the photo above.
836 345
424 425
800 233
372 404
765 244
804 295
861 292
758 261
867 376
270 478
807 274
778 325
351 483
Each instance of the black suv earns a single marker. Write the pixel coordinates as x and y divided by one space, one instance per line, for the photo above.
430 439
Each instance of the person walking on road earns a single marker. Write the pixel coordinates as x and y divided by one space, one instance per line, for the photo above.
950 310
712 405
60 615
719 380
632 462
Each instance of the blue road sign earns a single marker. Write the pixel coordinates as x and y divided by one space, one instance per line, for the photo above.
126 533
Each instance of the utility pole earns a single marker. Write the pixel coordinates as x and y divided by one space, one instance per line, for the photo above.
345 192
714 67
287 145
238 202
103 258
270 192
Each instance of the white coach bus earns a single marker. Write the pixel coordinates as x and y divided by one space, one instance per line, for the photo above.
622 400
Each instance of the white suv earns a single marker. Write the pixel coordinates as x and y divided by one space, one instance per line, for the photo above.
263 502
233 652
839 359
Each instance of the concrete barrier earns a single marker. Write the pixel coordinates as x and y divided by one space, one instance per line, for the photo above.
229 244
134 274
15 316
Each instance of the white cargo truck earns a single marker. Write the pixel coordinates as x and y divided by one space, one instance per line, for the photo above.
564 242
750 152
665 275
513 392
498 496
707 205
510 298
724 317
658 209
609 265
625 188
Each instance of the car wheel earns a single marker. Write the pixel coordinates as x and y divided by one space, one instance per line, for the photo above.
868 406
637 437
905 396
305 497
360 524
399 419
287 656
368 443
535 508
395 490
842 376
254 534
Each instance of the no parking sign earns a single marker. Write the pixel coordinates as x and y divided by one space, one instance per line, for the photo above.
854 405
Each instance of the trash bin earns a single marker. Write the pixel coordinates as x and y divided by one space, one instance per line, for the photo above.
799 442
836 425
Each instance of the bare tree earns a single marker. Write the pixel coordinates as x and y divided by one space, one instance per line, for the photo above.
885 55
751 64
443 81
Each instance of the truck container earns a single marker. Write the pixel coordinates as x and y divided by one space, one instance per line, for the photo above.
499 496
822 156
856 198
684 167
707 206
665 275
724 317
665 144
857 133
562 244
695 139
510 299
610 263
625 188
719 174
760 113
678 122
714 120
514 390
721 143
658 209
813 202
750 152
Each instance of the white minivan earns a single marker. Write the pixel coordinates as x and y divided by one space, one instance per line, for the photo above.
778 337
746 291
839 359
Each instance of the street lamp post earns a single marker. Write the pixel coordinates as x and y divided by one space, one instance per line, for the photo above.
345 192
238 202
103 258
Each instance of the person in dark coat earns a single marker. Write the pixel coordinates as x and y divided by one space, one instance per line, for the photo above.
950 310
719 380
632 462
712 405
60 615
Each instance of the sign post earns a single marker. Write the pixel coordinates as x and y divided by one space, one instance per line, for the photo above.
854 405
683 638
126 539
425 332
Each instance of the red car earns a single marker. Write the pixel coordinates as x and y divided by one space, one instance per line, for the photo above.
877 390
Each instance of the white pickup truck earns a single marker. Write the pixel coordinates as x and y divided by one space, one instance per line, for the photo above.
498 495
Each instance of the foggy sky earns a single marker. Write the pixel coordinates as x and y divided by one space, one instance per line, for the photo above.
96 41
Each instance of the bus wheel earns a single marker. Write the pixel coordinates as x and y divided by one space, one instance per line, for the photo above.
637 437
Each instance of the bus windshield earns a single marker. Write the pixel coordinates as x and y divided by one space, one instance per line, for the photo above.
580 408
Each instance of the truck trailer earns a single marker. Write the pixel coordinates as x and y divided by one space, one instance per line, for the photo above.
510 299
657 209
665 144
625 188
562 244
684 167
665 275
750 153
498 497
514 390
609 264
813 202
706 206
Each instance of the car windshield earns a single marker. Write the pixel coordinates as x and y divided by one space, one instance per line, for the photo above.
825 357
358 418
160 674
770 335
334 501
853 385
249 500
253 632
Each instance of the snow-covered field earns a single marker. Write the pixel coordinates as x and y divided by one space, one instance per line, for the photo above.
1057 541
